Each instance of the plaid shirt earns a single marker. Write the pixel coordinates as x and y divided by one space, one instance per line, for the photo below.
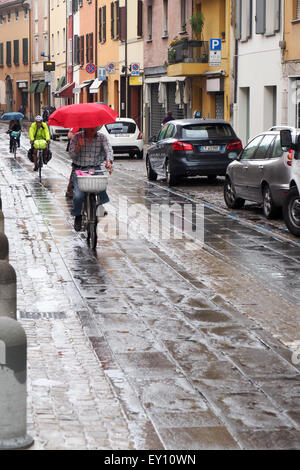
92 153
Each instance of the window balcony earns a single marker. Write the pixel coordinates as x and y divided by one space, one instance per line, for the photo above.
189 51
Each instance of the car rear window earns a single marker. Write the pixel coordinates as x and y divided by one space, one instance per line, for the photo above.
121 127
206 131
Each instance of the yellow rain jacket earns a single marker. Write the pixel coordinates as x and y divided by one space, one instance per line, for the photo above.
41 134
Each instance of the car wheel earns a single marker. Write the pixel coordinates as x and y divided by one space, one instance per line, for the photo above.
230 198
151 175
291 211
140 155
270 210
171 179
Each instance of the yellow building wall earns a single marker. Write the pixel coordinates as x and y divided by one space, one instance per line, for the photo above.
9 32
109 52
217 20
292 31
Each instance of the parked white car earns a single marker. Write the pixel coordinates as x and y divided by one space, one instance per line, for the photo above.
57 132
125 137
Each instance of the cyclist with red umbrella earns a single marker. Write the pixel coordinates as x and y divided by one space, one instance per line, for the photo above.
88 150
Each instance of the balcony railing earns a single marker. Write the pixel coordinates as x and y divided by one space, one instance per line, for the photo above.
192 51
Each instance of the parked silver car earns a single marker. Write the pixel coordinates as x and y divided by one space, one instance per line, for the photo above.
261 173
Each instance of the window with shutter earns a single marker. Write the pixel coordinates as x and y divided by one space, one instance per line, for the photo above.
246 20
25 51
277 6
112 20
8 53
298 10
149 22
117 16
122 27
87 48
1 55
104 23
81 58
140 19
16 52
260 16
100 25
91 44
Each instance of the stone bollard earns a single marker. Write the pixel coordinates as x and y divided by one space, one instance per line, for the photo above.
13 372
8 290
1 222
4 248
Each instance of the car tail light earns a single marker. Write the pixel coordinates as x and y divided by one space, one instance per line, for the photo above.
183 146
235 145
290 157
140 136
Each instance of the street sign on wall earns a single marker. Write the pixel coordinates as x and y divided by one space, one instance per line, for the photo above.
90 68
215 52
102 73
111 68
135 69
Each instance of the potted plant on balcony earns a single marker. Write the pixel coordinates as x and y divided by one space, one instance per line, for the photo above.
197 23
176 48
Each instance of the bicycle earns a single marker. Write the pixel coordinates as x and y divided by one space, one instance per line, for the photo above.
14 136
91 184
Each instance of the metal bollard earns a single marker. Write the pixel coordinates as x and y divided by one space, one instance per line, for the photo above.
4 248
13 376
1 222
8 290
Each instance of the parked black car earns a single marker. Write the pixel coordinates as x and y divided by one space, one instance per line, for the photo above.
192 147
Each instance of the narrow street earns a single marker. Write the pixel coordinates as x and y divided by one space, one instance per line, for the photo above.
157 341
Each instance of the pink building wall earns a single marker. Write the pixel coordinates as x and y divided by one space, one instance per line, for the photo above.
156 51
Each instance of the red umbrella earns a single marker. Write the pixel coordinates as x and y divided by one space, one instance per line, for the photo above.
83 115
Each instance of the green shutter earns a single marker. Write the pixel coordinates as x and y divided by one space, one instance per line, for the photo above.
25 51
41 87
60 83
8 53
1 55
33 87
16 52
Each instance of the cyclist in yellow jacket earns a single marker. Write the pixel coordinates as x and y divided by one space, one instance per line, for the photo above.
39 137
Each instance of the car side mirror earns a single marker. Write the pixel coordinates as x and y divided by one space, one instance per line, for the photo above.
286 141
153 138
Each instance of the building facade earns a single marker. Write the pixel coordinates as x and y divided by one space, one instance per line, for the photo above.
259 83
58 49
15 64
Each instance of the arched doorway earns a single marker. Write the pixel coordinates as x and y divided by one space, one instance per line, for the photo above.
9 95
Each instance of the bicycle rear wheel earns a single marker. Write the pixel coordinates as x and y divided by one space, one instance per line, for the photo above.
40 164
92 223
14 148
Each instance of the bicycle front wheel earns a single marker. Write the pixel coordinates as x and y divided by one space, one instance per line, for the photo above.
92 223
40 164
15 149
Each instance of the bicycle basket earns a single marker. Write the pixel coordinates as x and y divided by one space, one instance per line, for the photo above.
92 184
15 134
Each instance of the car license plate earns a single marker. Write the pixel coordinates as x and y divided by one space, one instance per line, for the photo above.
210 148
122 135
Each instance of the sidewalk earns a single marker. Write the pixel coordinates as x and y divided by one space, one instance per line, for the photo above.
70 402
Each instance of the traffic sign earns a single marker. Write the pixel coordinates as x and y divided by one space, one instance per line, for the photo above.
215 58
111 68
215 44
49 66
90 68
102 73
135 69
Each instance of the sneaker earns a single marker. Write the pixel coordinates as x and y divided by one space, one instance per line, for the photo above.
36 168
77 223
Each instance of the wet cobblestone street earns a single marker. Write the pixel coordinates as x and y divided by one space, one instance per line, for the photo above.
152 343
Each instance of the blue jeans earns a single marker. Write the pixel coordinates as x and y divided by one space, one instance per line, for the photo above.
78 196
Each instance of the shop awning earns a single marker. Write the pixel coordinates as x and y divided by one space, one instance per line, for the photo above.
86 83
164 79
61 83
66 91
95 86
33 87
41 87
